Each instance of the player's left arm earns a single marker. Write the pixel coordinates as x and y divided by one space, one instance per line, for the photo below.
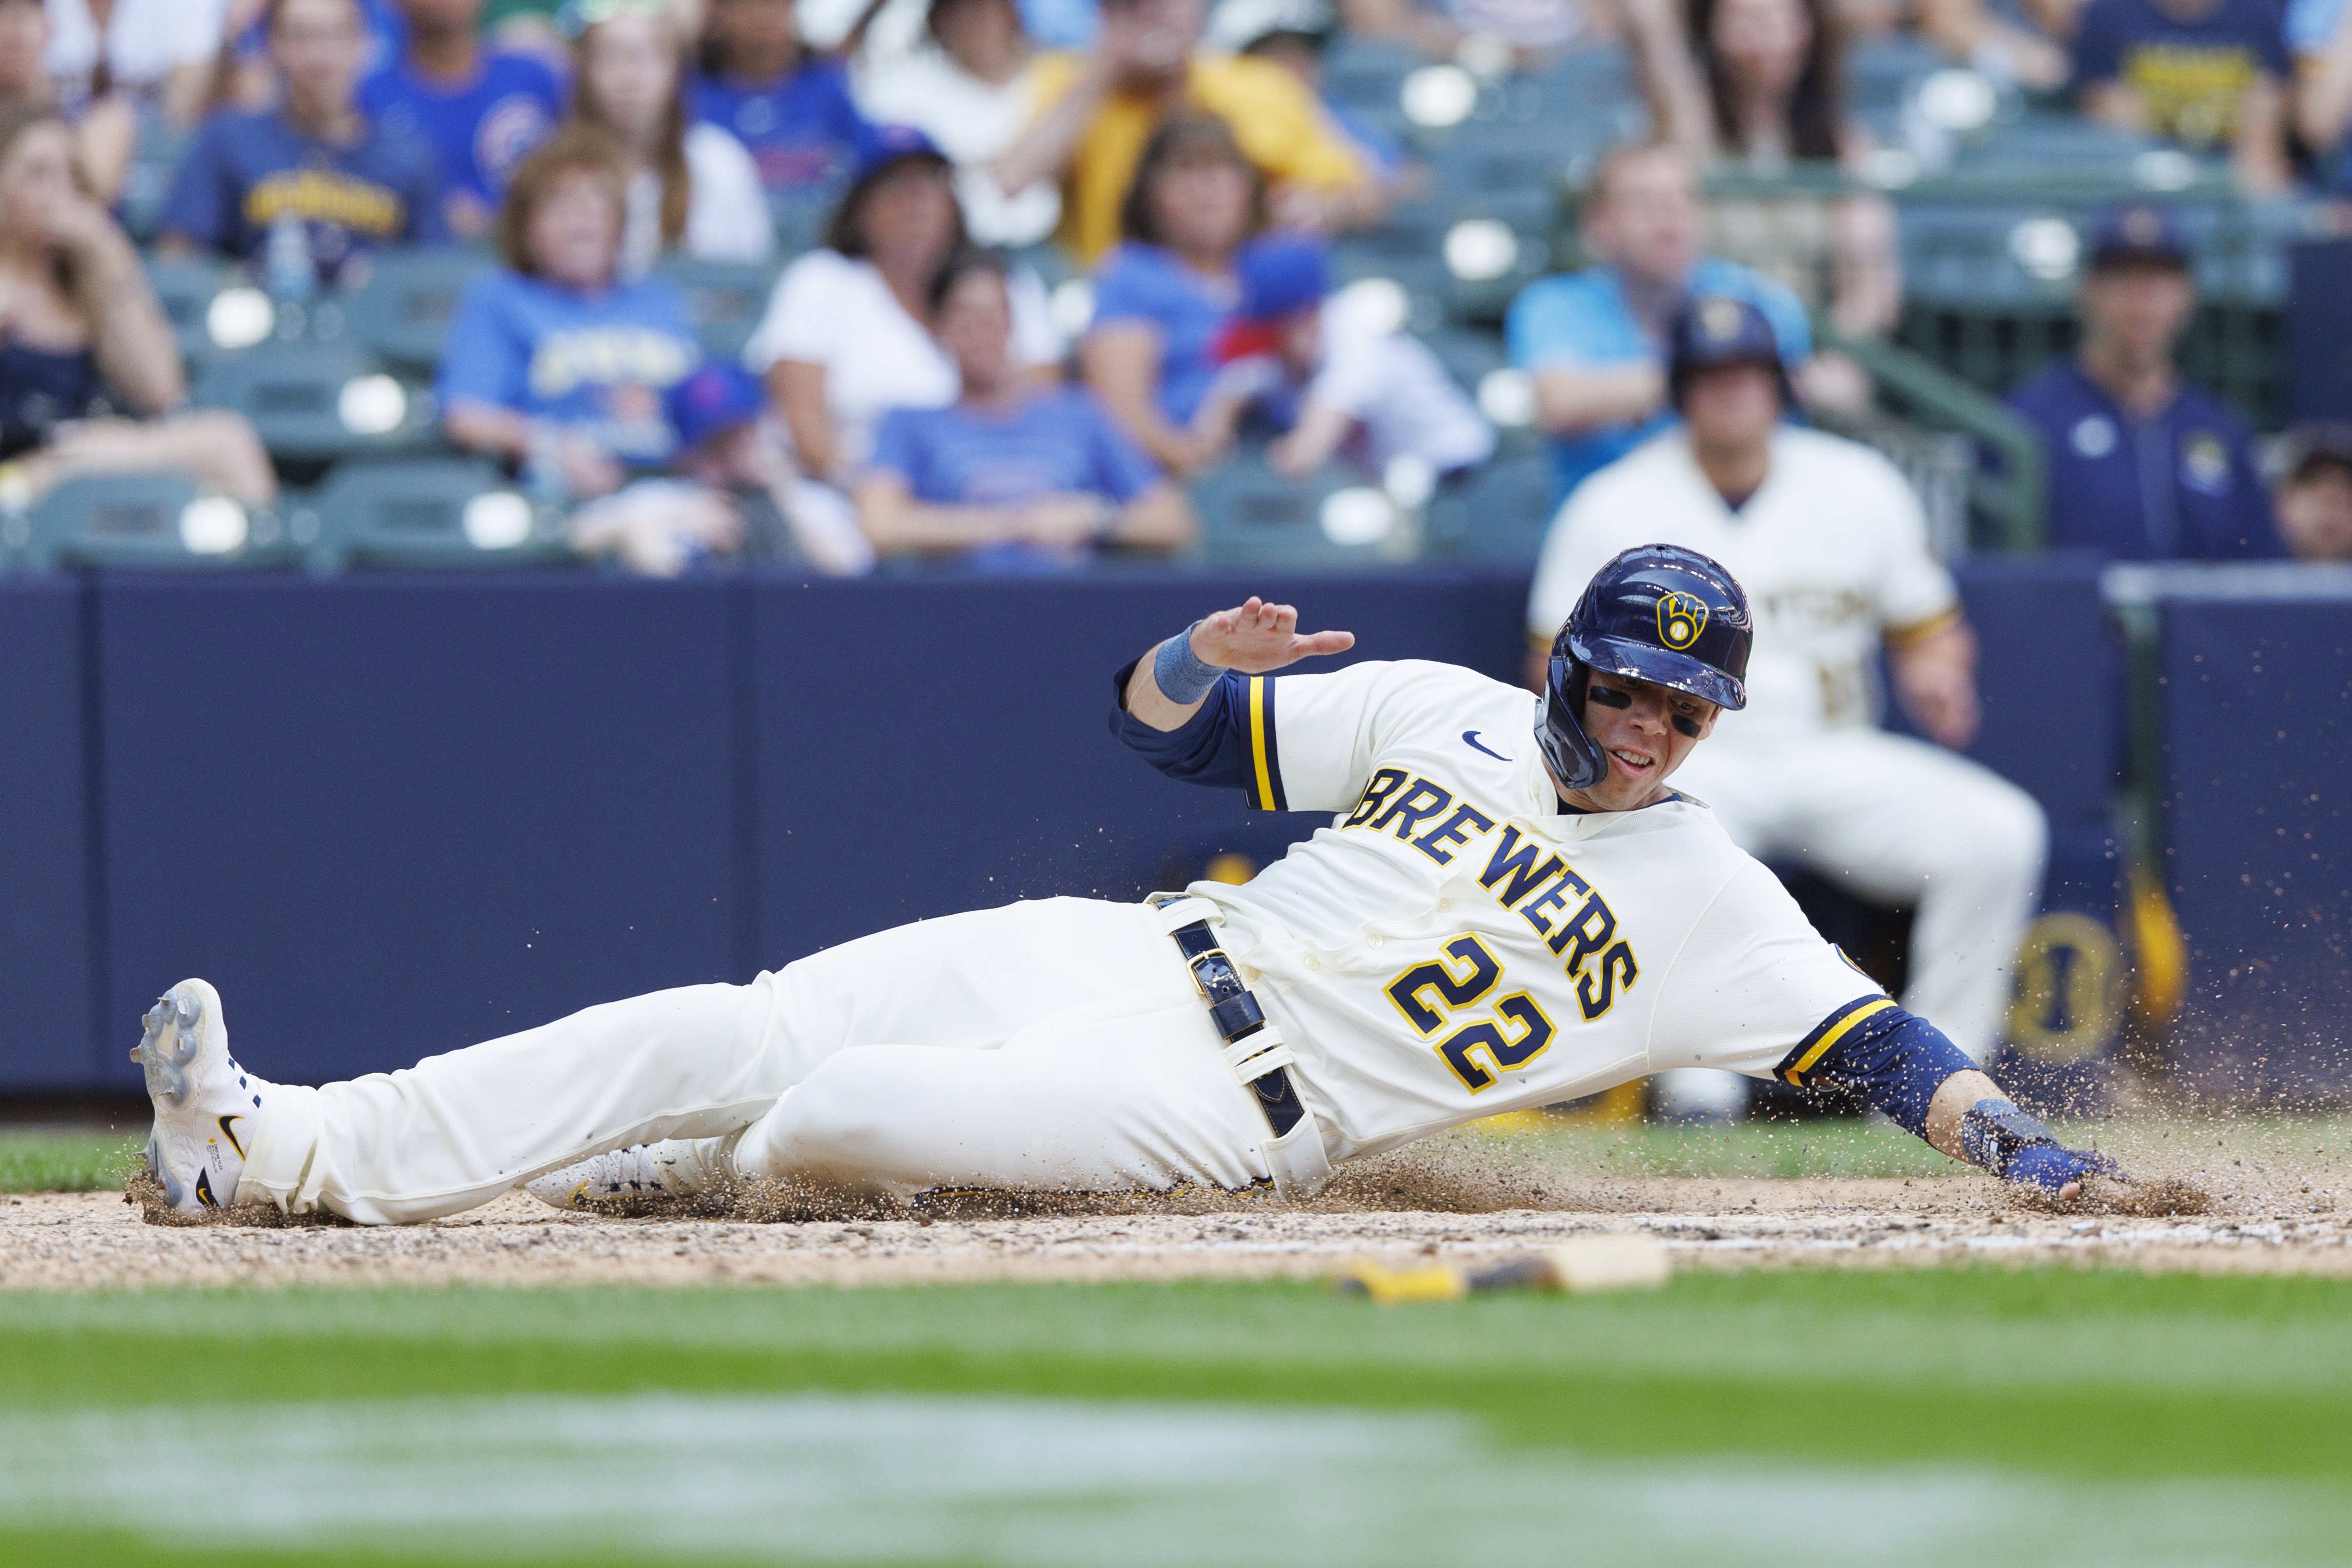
1904 1066
1754 989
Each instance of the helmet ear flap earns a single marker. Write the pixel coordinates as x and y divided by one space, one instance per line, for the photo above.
1575 759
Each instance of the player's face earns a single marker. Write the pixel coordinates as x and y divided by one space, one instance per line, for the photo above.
1646 731
1731 407
2139 307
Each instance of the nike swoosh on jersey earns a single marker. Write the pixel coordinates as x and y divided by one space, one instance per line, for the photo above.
1470 739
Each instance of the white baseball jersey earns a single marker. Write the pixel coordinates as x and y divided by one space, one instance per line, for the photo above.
1454 944
1832 551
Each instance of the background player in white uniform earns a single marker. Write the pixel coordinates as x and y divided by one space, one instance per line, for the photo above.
1832 547
1509 906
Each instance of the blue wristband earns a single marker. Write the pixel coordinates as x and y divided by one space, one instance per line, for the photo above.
1178 673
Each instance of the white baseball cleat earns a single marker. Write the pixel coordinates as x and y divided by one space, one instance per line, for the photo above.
205 1105
674 1168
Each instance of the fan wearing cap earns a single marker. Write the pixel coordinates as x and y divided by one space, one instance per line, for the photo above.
1832 546
2141 465
2313 495
1333 381
969 89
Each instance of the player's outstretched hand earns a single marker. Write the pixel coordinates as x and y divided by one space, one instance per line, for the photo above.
1256 636
2059 1171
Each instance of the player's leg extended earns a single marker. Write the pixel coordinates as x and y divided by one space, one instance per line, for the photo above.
1901 820
456 1129
698 1062
1125 1094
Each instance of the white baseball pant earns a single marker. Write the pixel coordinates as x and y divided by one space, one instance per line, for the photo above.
1897 820
1059 1044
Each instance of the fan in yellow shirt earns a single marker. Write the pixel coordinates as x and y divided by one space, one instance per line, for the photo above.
1095 110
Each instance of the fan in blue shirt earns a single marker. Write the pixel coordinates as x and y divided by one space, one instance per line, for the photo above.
1592 340
1010 478
354 184
790 106
480 110
2141 466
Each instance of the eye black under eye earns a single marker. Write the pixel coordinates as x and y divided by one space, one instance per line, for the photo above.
1687 725
1610 697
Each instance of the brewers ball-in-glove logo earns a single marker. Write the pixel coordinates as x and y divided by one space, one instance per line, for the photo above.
1721 320
1680 620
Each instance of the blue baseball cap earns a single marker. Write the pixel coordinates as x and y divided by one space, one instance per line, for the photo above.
719 397
884 148
1281 275
1716 330
2137 231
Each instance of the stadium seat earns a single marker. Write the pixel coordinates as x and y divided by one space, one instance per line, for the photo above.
1497 514
151 519
724 299
1252 516
801 218
431 512
186 288
317 401
402 311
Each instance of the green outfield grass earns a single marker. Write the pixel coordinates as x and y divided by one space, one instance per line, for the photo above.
2204 1419
43 1160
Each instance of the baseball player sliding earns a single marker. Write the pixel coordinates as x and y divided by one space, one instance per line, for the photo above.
1832 547
1508 907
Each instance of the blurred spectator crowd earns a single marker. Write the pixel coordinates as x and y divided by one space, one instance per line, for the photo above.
1021 285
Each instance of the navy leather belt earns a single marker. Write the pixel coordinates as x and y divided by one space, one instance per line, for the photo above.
1237 1016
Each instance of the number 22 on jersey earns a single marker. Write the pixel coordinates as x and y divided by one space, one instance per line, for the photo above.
1427 992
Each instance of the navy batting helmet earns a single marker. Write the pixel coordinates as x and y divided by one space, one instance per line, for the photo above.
1716 330
1656 613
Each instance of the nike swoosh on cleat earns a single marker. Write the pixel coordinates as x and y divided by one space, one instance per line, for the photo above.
1470 739
230 1133
204 1190
577 1192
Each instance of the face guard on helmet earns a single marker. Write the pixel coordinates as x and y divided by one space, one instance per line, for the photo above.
1657 612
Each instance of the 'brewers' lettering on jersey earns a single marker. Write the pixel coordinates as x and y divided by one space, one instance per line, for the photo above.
1452 943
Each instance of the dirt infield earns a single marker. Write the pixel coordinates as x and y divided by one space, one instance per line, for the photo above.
2266 1209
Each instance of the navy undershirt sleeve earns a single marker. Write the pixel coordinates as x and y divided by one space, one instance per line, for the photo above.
1891 1058
1212 748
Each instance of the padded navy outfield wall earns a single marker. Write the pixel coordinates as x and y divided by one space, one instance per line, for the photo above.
2257 801
929 746
47 1041
394 814
391 816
